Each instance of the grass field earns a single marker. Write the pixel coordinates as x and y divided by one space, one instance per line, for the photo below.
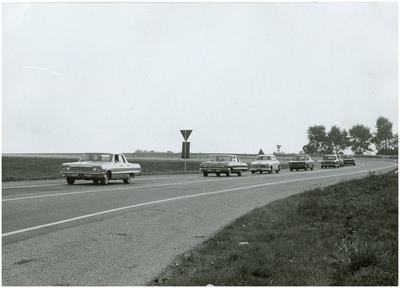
47 166
341 235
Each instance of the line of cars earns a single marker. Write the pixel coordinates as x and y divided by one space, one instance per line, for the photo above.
229 164
103 167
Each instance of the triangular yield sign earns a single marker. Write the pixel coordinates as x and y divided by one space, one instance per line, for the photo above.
186 134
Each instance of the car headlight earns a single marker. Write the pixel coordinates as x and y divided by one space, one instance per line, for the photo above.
96 169
65 167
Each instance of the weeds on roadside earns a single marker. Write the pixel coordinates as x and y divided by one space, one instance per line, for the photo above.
345 234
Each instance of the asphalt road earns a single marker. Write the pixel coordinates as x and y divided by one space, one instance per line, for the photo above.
54 234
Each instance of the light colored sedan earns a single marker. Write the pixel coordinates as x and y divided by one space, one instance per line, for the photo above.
100 167
265 163
330 161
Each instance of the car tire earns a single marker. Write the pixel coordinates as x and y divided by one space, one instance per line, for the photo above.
70 180
291 169
218 173
279 169
252 172
128 180
106 179
239 173
95 181
205 173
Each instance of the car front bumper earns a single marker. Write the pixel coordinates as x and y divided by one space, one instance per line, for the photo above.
329 164
83 176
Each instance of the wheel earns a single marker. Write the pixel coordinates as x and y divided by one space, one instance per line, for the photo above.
95 181
128 180
239 173
297 169
205 173
106 179
260 171
279 169
252 172
218 173
228 173
312 167
270 171
291 169
354 164
70 180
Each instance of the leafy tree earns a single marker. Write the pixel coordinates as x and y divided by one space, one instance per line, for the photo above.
394 145
360 139
383 135
317 139
337 139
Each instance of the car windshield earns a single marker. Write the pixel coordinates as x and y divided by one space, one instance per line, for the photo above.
96 157
347 156
299 158
329 157
220 158
264 158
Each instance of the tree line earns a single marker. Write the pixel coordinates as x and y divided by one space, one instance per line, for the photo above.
359 138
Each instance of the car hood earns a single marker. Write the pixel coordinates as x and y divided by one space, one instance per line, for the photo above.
85 163
213 163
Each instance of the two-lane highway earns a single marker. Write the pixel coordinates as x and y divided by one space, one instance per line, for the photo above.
124 234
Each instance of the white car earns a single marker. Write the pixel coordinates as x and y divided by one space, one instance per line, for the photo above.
265 163
100 167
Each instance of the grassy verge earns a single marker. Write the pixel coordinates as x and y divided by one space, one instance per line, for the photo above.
342 235
20 168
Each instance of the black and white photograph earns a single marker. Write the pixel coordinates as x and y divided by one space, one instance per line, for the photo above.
200 143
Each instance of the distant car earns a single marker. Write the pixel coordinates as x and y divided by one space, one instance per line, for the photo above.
330 161
349 159
301 162
226 164
265 163
100 167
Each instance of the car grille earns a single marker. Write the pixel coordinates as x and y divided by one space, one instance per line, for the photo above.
81 169
259 166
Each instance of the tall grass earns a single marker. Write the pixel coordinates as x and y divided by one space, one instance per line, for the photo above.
342 235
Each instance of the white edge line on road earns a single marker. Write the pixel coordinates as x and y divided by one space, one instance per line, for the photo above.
175 198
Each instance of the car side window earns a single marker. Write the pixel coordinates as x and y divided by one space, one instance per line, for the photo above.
123 160
116 158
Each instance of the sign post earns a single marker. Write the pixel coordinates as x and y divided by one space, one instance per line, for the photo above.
185 146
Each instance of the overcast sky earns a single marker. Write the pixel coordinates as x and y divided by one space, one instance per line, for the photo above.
243 76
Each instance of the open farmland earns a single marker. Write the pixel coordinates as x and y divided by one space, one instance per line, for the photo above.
46 166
